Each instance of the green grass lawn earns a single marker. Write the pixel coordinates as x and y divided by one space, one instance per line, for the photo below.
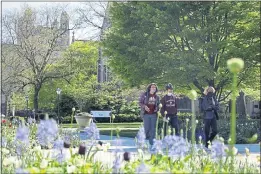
108 125
124 128
123 133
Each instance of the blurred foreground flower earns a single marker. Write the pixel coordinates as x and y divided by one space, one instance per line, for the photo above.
235 65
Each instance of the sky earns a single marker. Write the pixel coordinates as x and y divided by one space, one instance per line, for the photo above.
80 34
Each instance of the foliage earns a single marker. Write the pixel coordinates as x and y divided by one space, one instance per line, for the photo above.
184 43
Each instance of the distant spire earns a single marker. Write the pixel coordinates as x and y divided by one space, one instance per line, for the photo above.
47 21
73 39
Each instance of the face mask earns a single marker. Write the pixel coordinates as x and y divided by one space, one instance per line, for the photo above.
169 93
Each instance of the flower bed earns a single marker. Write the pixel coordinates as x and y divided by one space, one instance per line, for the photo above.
44 148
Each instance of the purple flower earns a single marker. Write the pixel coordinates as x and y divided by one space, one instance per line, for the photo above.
117 162
67 139
58 144
30 120
4 142
218 149
157 147
142 168
92 132
21 171
22 134
60 157
179 148
47 132
141 138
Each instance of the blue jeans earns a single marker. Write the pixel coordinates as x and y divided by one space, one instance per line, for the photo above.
150 121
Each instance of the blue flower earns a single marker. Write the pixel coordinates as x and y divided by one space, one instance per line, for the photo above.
218 149
157 147
142 168
179 148
4 142
60 157
92 132
141 138
22 134
58 144
21 171
30 120
67 139
47 132
117 162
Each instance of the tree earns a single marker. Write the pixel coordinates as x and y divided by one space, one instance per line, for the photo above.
186 43
38 46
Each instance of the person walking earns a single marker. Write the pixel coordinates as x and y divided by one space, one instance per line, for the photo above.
210 107
149 103
169 105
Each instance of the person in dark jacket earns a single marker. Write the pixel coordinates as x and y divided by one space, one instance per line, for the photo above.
149 103
169 104
210 106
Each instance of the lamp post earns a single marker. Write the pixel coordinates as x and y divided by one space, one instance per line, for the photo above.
26 99
58 91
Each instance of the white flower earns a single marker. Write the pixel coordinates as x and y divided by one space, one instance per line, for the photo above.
37 148
44 164
104 148
5 151
160 105
73 109
79 162
67 154
45 153
18 163
247 151
165 113
234 150
10 160
71 169
74 150
196 121
187 120
235 65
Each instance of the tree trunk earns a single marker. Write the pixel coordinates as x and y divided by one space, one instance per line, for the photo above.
36 97
241 105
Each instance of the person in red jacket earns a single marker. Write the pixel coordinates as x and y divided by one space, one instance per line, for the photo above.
149 103
169 104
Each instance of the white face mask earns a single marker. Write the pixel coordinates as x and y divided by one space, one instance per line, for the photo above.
169 93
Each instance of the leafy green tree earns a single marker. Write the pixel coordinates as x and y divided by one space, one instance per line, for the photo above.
186 43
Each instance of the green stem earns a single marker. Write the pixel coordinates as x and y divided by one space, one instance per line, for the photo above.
193 126
233 117
111 129
72 118
164 125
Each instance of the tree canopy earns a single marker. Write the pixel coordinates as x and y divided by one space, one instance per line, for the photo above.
186 43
